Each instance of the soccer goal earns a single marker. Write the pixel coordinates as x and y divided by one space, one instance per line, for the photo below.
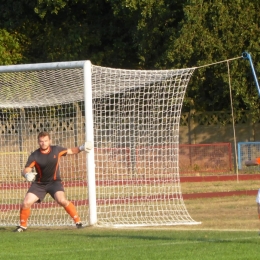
131 178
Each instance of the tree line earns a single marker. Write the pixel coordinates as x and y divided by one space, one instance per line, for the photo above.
144 34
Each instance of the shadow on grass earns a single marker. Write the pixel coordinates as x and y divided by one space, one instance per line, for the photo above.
4 229
175 237
169 236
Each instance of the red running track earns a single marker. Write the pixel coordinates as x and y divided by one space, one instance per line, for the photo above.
7 207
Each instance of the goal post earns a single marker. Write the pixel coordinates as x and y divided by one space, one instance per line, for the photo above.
129 115
89 136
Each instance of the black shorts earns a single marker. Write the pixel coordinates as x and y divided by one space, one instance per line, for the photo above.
41 189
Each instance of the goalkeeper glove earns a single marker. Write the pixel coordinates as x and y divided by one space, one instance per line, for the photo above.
30 176
87 146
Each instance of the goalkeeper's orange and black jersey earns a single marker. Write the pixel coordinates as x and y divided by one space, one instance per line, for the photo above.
47 165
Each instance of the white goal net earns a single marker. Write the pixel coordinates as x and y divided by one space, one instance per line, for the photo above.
136 118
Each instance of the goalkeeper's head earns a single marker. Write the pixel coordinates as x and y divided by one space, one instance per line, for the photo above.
44 141
43 134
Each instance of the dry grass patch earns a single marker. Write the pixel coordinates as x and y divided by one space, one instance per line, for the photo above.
224 213
218 186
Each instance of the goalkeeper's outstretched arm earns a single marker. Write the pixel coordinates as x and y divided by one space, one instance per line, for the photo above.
254 162
87 146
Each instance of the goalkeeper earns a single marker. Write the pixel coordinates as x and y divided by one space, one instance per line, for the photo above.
47 178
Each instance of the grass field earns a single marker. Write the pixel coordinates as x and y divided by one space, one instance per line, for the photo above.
229 230
94 243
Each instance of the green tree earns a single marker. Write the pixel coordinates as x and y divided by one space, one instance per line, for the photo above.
10 48
143 34
116 33
59 30
213 31
154 26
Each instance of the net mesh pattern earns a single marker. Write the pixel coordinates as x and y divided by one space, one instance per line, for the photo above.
136 138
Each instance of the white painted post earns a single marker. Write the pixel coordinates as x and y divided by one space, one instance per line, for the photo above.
89 137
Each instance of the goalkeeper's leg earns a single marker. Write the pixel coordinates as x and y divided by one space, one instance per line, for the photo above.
60 198
25 211
24 216
71 210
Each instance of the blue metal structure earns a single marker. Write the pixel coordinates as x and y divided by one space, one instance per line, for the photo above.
247 56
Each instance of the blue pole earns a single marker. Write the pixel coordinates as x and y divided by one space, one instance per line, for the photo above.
247 56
